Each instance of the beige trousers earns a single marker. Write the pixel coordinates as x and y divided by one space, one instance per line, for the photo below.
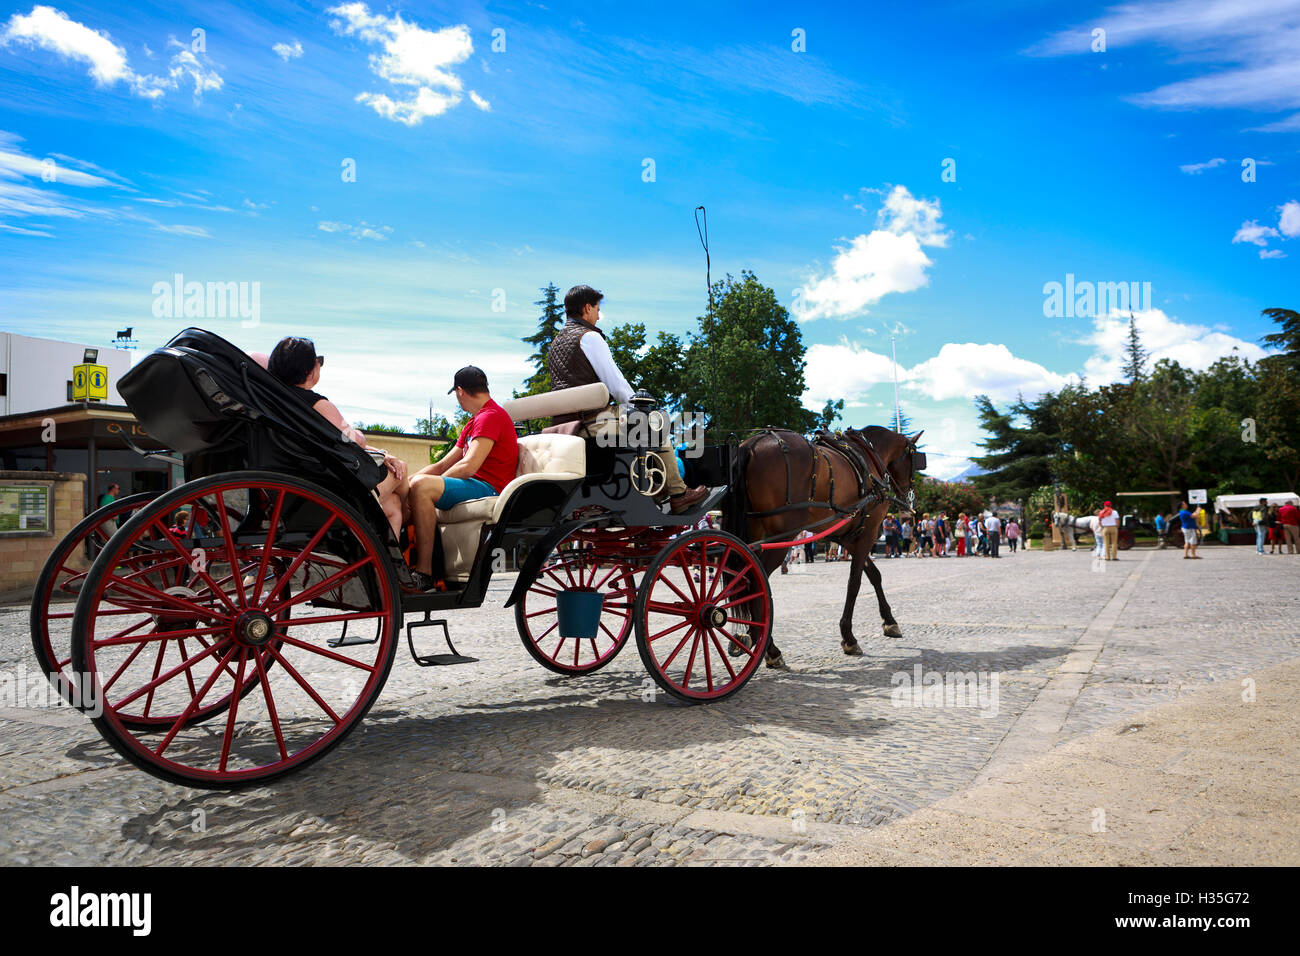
1111 536
607 425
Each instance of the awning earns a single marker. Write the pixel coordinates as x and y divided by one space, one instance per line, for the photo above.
1224 502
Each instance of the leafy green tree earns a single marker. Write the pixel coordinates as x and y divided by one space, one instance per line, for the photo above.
745 366
1277 424
1287 338
1019 456
381 429
950 497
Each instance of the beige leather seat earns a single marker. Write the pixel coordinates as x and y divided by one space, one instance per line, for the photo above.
541 458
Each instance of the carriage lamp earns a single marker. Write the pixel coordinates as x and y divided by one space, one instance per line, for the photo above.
647 425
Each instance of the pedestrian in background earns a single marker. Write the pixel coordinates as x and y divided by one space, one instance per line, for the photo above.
1013 534
1274 531
959 532
1108 517
1162 528
1188 522
1288 517
993 527
1259 518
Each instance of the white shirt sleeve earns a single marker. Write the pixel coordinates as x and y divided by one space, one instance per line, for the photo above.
602 362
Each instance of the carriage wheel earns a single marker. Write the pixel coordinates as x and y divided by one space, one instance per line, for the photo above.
697 595
175 651
537 617
1125 539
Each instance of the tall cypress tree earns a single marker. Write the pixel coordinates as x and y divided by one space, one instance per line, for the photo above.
552 318
1135 364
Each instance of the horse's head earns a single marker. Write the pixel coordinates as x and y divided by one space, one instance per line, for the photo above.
899 455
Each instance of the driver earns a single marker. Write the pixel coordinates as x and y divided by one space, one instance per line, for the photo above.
577 357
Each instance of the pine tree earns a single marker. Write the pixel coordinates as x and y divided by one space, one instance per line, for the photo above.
1137 355
552 318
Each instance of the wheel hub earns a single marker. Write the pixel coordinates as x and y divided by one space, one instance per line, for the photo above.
712 616
174 616
253 629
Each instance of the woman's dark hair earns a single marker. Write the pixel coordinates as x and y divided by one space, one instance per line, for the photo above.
292 360
578 298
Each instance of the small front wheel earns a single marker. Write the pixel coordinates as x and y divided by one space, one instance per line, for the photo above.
697 595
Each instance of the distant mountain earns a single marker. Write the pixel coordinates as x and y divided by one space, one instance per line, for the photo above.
968 473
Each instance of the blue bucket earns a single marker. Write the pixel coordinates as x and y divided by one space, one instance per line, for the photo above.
579 612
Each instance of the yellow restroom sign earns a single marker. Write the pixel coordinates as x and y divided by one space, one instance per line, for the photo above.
89 383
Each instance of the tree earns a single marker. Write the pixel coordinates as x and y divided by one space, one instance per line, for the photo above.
746 363
548 325
950 497
1019 457
1137 355
381 429
1287 339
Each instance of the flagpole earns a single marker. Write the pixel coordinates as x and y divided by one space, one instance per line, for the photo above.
898 411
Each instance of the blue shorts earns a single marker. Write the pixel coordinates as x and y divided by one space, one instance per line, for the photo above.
457 490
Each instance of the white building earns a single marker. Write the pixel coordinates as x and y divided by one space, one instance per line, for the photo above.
37 373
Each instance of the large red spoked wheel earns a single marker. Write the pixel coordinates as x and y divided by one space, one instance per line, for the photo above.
573 566
698 594
265 595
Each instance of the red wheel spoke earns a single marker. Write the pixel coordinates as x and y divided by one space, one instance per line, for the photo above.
193 705
189 675
298 560
690 661
179 668
272 532
331 618
660 607
721 656
740 576
542 589
539 637
675 627
200 571
688 573
607 631
738 642
270 706
171 600
124 665
234 701
148 700
325 653
677 649
677 590
741 620
549 610
316 590
740 600
311 691
158 636
718 575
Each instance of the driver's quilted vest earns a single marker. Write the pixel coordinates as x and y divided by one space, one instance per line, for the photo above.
568 364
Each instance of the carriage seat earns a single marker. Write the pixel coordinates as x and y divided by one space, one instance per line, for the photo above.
563 401
541 458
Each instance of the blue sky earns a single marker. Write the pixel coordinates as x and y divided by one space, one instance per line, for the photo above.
481 174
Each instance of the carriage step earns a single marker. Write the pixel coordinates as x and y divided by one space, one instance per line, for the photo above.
434 660
344 641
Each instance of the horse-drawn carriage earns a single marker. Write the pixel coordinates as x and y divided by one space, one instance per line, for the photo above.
239 626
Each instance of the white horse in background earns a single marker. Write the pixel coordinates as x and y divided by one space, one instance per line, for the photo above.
1072 524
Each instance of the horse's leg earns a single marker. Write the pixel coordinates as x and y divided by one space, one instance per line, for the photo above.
848 642
771 560
889 625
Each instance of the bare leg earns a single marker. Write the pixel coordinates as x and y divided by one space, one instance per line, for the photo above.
425 492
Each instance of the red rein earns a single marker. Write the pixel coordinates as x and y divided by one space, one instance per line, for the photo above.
771 545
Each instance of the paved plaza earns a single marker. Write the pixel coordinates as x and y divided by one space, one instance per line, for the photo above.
503 762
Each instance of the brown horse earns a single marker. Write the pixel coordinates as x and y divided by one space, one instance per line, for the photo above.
778 467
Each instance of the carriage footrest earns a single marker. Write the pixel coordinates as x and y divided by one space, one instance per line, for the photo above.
344 641
434 660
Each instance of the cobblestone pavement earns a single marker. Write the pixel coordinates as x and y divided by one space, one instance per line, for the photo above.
502 762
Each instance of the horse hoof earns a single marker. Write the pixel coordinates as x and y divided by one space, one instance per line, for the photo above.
735 651
893 630
777 663
852 650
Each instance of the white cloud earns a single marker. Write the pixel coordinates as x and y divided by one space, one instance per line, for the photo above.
1288 222
362 230
1272 254
843 371
412 57
194 232
287 52
478 101
53 30
964 370
1252 232
1246 49
888 259
1192 346
1194 168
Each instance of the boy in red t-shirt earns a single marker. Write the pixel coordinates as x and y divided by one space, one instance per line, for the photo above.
483 462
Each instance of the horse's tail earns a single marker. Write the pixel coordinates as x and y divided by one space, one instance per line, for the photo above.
734 520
